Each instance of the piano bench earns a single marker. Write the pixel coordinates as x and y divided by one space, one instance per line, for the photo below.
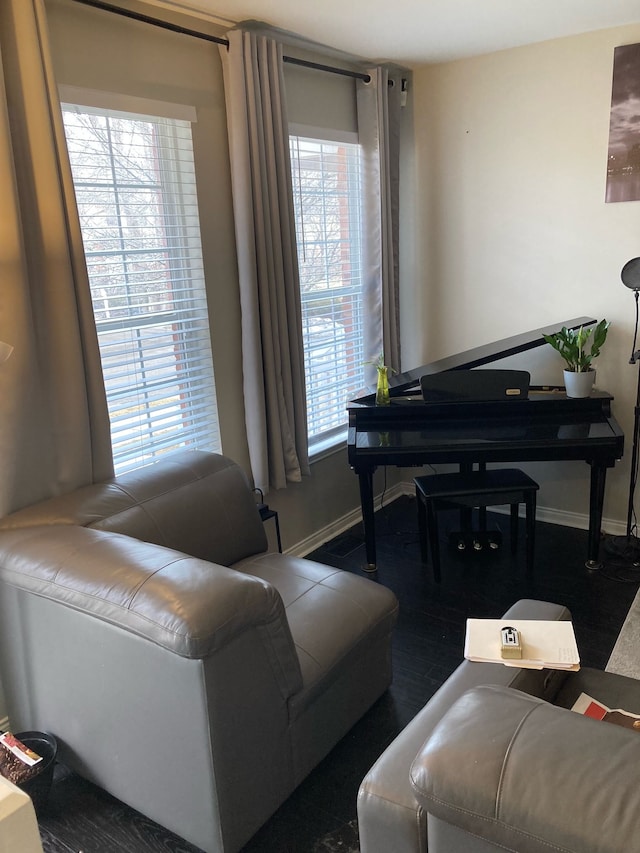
475 489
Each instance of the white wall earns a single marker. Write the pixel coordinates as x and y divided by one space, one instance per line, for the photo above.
509 225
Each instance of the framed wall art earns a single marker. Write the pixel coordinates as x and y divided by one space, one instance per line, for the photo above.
623 163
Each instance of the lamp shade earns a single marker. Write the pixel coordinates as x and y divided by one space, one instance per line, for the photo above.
5 351
630 274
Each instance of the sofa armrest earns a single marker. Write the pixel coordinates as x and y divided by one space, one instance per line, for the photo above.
190 607
18 824
528 776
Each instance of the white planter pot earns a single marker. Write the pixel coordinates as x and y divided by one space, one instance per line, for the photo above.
579 384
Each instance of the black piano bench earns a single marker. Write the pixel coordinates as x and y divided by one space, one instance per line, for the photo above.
479 489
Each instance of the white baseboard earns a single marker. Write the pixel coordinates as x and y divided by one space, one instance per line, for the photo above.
552 516
330 531
578 520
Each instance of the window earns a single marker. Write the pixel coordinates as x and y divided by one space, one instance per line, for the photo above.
327 204
135 187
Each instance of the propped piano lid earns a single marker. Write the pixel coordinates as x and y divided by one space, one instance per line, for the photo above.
484 354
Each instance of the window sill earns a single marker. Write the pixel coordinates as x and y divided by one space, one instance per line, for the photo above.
327 447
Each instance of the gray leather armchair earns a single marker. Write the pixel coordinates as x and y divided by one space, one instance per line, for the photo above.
496 761
181 667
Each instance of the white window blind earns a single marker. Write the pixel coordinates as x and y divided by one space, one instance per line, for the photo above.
327 201
135 186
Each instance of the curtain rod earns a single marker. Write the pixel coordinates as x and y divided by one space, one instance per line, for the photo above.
176 28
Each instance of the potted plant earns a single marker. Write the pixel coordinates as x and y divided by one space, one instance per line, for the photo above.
579 375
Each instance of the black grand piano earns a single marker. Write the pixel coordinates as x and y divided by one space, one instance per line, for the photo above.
547 425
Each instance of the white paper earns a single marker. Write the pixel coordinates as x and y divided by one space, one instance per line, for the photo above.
550 644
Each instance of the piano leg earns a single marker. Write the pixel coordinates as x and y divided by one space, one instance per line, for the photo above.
596 503
466 513
365 478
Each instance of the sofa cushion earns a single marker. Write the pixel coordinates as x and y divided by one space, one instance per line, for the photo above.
196 502
354 611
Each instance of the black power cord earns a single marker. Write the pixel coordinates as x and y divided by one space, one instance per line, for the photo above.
621 558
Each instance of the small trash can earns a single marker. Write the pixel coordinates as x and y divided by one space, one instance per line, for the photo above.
39 785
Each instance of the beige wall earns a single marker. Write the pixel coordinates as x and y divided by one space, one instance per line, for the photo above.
509 224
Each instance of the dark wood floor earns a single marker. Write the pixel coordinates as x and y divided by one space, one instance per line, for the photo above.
321 815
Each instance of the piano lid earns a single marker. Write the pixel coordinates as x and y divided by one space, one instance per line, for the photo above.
485 354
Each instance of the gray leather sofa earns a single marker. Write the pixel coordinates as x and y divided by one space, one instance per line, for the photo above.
181 667
496 761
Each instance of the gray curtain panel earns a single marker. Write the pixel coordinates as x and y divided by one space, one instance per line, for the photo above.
54 428
378 105
273 358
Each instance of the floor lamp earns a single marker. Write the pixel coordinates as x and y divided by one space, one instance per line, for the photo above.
630 276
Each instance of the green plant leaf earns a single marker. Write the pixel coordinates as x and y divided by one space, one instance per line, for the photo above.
571 345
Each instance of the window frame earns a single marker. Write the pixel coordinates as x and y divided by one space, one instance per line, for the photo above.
330 440
191 335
